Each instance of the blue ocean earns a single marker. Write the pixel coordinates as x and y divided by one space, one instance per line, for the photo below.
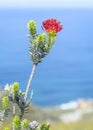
66 73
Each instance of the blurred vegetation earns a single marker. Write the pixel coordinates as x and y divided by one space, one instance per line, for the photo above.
80 125
49 115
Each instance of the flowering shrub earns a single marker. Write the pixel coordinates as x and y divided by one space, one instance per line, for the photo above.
40 45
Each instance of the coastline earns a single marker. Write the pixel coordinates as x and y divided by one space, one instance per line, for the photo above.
76 110
79 103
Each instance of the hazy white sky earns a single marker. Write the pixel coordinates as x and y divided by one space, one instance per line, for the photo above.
46 3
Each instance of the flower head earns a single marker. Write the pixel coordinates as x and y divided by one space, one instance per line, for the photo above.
52 25
33 125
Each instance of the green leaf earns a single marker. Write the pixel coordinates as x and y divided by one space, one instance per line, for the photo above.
45 127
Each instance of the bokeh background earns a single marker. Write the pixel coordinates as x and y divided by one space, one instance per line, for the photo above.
66 74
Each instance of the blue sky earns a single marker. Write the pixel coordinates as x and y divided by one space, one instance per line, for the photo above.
47 3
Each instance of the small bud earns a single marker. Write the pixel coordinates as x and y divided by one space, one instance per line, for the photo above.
41 38
16 123
15 87
25 124
5 102
32 27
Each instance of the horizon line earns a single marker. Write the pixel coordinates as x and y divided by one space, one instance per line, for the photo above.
25 7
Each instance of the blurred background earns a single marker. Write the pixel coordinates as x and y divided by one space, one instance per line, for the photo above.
64 80
66 74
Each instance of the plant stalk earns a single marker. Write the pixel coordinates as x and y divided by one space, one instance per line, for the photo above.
29 81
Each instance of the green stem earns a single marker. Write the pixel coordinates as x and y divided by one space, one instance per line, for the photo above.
29 82
14 109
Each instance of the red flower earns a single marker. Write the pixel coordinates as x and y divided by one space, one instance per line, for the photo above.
52 25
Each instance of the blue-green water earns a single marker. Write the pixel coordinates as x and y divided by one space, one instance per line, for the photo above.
67 72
